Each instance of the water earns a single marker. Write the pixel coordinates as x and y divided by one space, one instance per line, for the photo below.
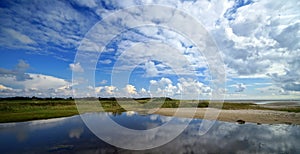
70 135
280 102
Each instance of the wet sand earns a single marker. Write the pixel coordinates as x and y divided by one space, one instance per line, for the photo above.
253 116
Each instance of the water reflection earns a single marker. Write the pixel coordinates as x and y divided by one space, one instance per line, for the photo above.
133 120
72 136
76 132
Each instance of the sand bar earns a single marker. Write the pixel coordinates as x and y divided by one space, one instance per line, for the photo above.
253 116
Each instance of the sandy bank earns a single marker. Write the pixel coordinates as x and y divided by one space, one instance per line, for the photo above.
253 116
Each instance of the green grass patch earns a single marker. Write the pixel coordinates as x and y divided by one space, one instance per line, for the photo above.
239 106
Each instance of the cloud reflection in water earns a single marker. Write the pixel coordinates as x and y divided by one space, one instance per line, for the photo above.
222 137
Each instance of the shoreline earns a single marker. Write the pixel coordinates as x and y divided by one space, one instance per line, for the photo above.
240 116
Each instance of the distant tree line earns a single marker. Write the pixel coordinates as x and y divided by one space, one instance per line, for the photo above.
35 98
84 98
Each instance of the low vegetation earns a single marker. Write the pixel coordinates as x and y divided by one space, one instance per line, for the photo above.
24 108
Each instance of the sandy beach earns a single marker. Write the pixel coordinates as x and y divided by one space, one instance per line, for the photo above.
252 116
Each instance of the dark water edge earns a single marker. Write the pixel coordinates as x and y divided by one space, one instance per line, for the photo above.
70 135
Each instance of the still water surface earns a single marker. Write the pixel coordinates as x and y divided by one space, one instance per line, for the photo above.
70 135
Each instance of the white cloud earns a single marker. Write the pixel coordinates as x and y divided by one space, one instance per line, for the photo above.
162 53
110 89
39 85
86 3
192 88
264 44
76 132
98 89
18 72
104 91
150 69
103 82
240 87
38 81
186 88
130 89
106 61
260 40
76 67
19 36
162 88
143 91
43 28
4 88
271 90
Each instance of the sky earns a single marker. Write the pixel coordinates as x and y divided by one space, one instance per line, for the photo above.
186 49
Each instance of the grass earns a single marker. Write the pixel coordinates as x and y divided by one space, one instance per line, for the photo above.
252 106
290 109
24 110
238 106
31 110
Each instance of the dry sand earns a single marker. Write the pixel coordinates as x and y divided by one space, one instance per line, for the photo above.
253 116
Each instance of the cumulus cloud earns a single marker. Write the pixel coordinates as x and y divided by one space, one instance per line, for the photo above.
264 44
104 91
39 85
76 67
151 69
192 88
162 88
110 89
130 89
186 88
288 81
253 43
127 91
18 72
143 91
20 83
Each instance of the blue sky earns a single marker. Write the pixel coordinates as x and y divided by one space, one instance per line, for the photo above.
51 48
